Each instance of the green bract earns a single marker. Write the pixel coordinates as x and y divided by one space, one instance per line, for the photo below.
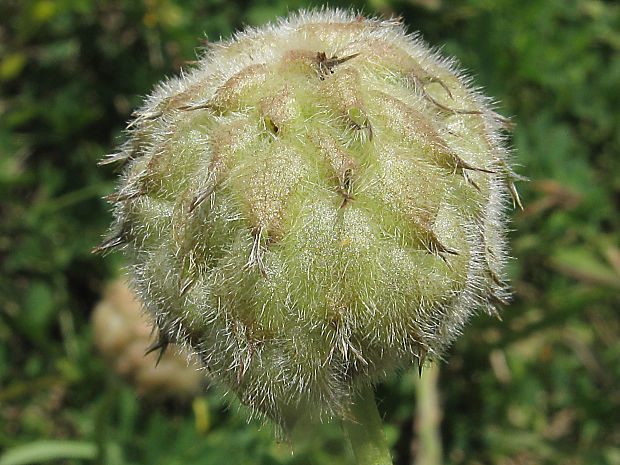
315 204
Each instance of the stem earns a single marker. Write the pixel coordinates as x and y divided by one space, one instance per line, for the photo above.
365 431
427 445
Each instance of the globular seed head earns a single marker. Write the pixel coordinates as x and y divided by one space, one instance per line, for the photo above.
314 205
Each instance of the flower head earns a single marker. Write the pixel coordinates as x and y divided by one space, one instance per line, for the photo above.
314 205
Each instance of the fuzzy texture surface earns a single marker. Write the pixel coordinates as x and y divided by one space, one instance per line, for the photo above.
314 205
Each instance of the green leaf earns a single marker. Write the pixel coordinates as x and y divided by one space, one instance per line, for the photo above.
42 451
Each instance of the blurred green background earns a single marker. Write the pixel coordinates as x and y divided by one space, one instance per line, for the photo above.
543 386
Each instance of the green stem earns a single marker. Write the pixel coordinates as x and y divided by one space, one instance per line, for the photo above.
365 431
427 446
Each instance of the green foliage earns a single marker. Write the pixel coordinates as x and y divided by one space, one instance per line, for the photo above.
540 387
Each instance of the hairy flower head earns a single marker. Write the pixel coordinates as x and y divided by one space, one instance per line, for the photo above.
314 205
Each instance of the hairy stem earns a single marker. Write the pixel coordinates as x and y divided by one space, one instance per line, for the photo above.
365 431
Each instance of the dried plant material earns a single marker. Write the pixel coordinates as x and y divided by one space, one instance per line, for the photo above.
123 335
